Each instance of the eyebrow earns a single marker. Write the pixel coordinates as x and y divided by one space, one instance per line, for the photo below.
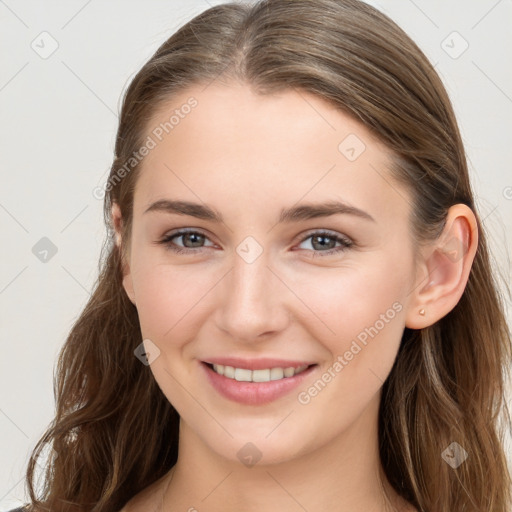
293 214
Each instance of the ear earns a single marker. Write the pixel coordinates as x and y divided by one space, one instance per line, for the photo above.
117 222
443 269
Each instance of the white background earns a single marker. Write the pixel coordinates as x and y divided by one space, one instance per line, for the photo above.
58 118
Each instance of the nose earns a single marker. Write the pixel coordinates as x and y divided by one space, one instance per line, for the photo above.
252 301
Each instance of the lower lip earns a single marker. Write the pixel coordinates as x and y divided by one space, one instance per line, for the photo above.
254 393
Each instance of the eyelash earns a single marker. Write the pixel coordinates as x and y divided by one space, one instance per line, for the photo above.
347 243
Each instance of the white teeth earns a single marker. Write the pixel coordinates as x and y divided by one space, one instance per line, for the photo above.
229 372
288 372
260 375
244 375
276 373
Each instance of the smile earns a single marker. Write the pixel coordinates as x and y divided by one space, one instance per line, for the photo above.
256 387
264 375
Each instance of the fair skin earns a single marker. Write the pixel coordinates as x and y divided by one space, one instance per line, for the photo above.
248 157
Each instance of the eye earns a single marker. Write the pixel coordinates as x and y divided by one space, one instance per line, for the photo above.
192 238
327 240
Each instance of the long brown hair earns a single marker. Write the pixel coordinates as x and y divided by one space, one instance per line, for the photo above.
448 381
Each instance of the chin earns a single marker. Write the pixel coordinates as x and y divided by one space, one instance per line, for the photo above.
258 450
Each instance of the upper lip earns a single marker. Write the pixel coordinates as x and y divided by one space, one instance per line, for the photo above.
257 364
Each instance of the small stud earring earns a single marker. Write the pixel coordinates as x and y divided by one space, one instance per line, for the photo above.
422 312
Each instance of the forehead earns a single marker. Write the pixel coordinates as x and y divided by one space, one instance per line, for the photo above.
239 150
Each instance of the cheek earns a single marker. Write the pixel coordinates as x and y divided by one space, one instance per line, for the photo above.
366 312
167 297
359 311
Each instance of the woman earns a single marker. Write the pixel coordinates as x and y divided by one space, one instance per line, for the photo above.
296 309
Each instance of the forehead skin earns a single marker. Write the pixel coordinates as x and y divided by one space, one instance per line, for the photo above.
251 155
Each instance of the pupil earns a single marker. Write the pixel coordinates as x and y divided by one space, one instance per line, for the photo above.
323 238
196 236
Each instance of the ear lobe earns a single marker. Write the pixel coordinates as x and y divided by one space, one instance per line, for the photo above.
117 222
444 271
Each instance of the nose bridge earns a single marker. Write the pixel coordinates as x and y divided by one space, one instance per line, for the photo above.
250 304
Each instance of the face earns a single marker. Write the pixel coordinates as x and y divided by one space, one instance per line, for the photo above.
310 261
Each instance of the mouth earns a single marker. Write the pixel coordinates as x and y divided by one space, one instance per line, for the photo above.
255 387
261 375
